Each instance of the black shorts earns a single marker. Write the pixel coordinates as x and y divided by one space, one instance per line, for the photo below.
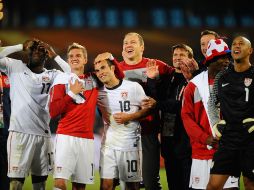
234 162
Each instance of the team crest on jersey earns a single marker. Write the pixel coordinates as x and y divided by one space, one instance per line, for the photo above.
45 78
15 168
196 180
144 74
247 82
88 83
124 95
58 169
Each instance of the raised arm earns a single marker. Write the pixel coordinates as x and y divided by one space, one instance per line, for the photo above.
5 62
153 86
106 55
5 51
188 68
52 55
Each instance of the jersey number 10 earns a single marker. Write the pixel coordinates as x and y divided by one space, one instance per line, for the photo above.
125 106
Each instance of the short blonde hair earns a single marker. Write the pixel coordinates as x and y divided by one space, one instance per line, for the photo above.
75 45
140 38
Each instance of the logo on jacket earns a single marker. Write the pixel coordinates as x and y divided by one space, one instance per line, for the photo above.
45 78
247 82
124 95
224 84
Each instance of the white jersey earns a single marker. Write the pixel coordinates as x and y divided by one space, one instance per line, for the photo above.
126 97
28 93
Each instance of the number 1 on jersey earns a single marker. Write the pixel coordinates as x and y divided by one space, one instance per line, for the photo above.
246 94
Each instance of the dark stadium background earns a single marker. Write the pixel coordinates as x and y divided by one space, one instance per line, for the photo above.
100 25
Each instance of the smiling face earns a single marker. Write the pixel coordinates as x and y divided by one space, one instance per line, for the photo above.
241 49
133 47
204 40
178 55
104 71
77 59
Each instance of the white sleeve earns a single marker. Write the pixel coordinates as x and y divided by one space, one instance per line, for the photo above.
140 93
6 62
63 64
5 51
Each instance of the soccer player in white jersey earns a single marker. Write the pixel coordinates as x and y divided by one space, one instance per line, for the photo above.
29 145
120 104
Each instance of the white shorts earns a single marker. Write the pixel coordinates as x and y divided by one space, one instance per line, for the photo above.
200 173
28 152
74 159
123 165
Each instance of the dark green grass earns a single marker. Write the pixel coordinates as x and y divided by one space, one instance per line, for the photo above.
28 185
95 186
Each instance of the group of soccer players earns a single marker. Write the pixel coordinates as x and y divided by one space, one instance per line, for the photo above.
130 96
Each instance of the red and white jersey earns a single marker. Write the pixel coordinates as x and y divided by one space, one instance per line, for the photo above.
28 94
126 97
77 119
195 117
137 73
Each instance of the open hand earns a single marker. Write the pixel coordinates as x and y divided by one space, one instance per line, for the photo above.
148 103
121 118
50 51
103 56
27 45
152 70
188 66
76 87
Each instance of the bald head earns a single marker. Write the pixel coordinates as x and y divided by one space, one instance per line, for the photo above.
244 39
140 38
241 49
